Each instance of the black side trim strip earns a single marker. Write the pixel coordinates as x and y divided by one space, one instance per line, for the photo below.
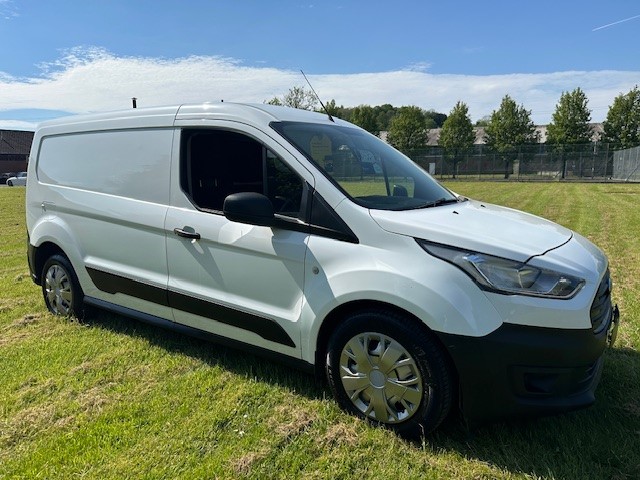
111 283
265 327
201 334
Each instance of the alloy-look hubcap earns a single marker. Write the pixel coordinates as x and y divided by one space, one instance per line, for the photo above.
58 290
380 377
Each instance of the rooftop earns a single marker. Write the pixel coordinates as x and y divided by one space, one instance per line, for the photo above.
15 142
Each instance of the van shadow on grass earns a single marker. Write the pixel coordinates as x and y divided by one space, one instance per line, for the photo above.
599 442
234 360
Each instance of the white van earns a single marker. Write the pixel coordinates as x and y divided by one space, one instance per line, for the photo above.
304 237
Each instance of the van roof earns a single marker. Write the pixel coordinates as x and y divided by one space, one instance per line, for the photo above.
167 116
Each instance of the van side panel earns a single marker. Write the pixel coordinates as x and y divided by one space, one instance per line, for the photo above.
108 190
129 163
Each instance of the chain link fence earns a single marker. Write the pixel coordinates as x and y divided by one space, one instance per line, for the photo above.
626 165
588 162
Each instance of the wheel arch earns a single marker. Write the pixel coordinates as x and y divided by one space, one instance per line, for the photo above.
41 253
48 235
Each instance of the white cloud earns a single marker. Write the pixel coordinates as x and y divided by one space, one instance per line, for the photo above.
8 10
17 125
86 80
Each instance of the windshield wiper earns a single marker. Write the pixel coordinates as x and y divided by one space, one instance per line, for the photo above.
435 203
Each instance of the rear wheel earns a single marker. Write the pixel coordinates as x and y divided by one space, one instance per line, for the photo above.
10 183
383 367
60 287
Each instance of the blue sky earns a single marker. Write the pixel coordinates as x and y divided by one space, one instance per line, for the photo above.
75 56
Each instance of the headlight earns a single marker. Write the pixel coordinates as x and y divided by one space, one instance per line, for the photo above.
507 276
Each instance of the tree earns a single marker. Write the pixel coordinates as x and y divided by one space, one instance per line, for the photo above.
376 119
365 116
570 122
437 117
457 136
508 129
622 126
332 109
408 129
384 114
296 97
569 125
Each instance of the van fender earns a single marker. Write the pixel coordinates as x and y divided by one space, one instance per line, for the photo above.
451 304
51 229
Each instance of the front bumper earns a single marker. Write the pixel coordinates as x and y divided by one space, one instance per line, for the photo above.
522 370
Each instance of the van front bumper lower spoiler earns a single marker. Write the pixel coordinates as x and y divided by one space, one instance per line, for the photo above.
521 370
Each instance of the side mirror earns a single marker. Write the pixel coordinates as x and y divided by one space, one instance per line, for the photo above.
249 207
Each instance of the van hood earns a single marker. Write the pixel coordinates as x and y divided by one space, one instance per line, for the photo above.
478 226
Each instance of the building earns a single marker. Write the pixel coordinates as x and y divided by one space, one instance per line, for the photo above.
15 146
433 135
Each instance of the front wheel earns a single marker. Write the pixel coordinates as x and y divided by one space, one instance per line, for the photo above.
10 184
60 287
385 368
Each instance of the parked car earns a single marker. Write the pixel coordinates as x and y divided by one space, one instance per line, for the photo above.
5 176
224 220
20 180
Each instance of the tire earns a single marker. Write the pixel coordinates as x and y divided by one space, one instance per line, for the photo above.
10 184
384 368
61 289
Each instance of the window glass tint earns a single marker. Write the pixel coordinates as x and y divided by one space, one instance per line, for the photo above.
217 163
283 186
372 173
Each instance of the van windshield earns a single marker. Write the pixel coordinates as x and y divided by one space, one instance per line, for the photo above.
372 173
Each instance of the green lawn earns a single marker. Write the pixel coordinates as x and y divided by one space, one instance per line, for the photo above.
113 398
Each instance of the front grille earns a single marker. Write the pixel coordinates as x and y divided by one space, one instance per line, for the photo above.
601 307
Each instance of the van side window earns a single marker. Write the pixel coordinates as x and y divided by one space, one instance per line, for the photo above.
217 163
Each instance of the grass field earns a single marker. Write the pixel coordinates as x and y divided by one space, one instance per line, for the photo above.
112 398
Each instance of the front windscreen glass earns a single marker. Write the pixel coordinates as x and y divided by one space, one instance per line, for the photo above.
372 173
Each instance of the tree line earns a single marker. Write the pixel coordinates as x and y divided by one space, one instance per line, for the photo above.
373 119
505 130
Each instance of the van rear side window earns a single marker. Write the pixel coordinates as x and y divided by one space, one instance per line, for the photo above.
132 163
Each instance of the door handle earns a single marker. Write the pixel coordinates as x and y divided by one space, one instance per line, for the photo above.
187 232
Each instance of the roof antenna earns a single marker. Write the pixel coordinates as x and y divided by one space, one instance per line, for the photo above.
314 92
